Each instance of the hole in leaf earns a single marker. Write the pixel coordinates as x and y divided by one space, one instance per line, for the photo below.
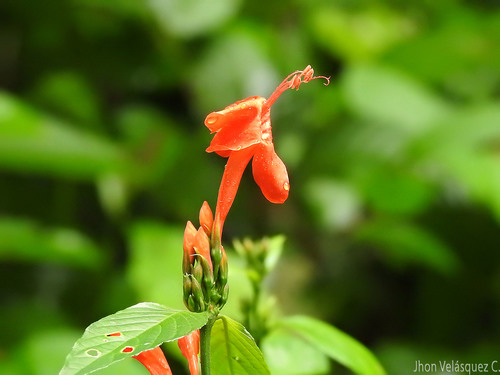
93 353
128 349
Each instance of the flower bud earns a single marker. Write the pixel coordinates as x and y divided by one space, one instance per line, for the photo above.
197 292
186 286
225 294
207 279
190 304
215 297
216 253
223 270
189 237
198 272
202 246
206 218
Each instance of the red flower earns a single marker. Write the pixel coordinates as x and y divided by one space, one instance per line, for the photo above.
154 360
243 131
190 348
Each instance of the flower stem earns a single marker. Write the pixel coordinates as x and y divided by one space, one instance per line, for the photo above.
205 333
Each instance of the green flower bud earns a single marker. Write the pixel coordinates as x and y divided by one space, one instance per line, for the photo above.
196 290
186 286
225 294
198 272
190 304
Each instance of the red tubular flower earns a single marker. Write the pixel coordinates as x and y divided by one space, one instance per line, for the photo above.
243 131
154 360
190 348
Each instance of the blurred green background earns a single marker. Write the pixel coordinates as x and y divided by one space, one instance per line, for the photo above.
393 221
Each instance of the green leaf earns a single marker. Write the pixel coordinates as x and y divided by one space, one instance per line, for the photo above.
27 240
392 98
34 142
188 18
233 350
395 191
360 35
155 261
54 89
336 204
406 243
43 359
289 354
138 328
335 344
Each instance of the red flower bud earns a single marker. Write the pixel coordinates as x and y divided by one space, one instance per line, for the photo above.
206 218
189 237
202 246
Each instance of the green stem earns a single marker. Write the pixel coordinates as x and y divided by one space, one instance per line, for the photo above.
205 333
256 321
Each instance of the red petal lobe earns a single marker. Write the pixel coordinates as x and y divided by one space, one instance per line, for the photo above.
270 174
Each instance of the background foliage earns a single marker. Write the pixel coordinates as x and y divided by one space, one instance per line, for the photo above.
392 223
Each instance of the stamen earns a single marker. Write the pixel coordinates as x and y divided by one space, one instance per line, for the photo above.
293 81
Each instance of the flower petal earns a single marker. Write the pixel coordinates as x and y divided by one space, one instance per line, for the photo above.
235 167
270 174
154 360
190 347
238 125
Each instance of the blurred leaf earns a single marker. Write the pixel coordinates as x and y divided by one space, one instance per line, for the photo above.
392 98
462 153
274 250
469 65
359 35
468 128
138 328
153 139
11 367
234 67
113 194
233 350
31 141
44 351
335 204
477 177
154 268
131 8
130 367
286 353
395 191
25 317
240 286
70 95
187 18
406 244
335 344
26 240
